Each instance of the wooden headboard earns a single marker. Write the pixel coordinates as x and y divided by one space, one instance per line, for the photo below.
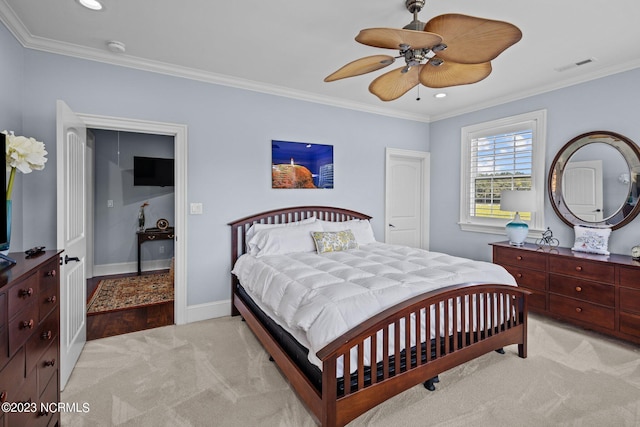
282 216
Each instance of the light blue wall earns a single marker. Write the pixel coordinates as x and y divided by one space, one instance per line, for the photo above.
115 240
11 105
229 143
611 103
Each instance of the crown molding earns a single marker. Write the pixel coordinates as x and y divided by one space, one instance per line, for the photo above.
29 41
583 78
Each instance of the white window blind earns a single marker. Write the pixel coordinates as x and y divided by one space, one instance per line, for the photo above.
499 162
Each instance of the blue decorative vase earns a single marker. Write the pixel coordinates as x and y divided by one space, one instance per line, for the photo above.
517 231
4 247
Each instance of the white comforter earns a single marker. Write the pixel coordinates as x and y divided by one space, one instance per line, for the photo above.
317 298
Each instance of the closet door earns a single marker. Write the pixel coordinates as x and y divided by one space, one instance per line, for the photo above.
407 198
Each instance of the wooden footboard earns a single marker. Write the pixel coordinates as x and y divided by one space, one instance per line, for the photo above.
435 332
467 321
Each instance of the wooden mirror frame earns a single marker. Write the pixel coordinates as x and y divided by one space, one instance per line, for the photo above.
629 151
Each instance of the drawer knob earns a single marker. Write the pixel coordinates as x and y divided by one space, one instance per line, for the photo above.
519 258
24 293
46 335
51 362
519 275
578 289
27 324
52 299
151 237
578 268
3 397
51 273
578 310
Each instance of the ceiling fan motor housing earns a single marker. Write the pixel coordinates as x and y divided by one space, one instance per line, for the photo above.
414 5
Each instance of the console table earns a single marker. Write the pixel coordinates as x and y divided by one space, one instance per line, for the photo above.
596 292
152 234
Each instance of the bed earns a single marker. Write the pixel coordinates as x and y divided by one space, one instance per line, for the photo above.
364 361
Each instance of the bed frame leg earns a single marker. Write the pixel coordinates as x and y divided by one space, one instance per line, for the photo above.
500 350
428 384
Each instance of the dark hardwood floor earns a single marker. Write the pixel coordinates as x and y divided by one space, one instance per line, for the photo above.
101 325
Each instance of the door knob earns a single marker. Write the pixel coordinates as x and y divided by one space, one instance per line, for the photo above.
68 259
392 226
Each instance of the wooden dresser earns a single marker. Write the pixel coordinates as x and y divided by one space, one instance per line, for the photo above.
596 292
29 339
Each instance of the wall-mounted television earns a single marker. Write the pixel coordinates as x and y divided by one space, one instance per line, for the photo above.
152 171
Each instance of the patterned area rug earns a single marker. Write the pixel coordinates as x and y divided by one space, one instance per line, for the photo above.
133 291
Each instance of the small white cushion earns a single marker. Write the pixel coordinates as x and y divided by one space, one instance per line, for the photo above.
258 226
361 229
593 240
283 240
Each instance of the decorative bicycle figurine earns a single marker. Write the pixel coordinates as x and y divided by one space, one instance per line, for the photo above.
547 239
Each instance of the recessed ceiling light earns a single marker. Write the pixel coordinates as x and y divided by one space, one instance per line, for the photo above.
91 4
440 95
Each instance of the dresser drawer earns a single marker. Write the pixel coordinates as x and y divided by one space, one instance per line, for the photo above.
537 301
42 338
12 376
47 366
630 324
27 393
49 274
585 269
630 277
630 300
519 257
586 312
22 326
22 294
49 398
3 312
530 279
597 293
48 299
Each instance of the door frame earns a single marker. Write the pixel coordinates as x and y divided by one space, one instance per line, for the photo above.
424 158
179 133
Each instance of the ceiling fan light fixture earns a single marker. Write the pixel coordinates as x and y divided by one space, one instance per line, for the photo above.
440 95
91 4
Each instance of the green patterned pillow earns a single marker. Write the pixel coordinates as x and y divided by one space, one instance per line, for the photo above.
332 241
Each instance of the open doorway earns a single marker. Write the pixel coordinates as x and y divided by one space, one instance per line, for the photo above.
177 133
131 287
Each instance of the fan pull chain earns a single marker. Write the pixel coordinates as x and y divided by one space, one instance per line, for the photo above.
418 98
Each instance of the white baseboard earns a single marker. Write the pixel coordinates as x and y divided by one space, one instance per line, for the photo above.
130 267
210 310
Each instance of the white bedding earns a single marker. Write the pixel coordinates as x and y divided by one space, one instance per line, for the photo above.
318 297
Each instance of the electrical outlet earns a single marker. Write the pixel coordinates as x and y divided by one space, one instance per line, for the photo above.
196 209
109 203
161 249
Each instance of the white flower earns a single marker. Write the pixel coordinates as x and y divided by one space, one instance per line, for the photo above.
24 154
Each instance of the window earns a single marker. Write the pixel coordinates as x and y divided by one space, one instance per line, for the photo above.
498 155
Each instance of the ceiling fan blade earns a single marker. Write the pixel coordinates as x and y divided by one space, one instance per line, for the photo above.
394 84
392 38
361 66
472 40
453 74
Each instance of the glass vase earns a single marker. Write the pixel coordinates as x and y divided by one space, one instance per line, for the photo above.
4 247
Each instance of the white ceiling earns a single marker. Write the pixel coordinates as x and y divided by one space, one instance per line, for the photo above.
288 47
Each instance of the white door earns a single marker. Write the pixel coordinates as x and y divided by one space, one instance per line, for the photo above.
582 189
71 229
407 198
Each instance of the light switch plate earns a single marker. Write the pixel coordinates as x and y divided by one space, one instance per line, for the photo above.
196 209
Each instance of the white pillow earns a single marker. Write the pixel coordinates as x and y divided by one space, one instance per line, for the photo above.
593 240
283 240
258 226
361 229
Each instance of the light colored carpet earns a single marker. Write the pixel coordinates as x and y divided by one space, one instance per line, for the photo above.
215 373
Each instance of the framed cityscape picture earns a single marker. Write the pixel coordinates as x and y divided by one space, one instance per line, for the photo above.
301 165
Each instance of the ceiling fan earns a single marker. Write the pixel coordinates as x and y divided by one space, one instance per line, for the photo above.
449 50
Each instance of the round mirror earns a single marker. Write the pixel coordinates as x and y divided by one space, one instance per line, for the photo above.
594 180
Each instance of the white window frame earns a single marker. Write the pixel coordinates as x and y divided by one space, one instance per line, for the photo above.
537 122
